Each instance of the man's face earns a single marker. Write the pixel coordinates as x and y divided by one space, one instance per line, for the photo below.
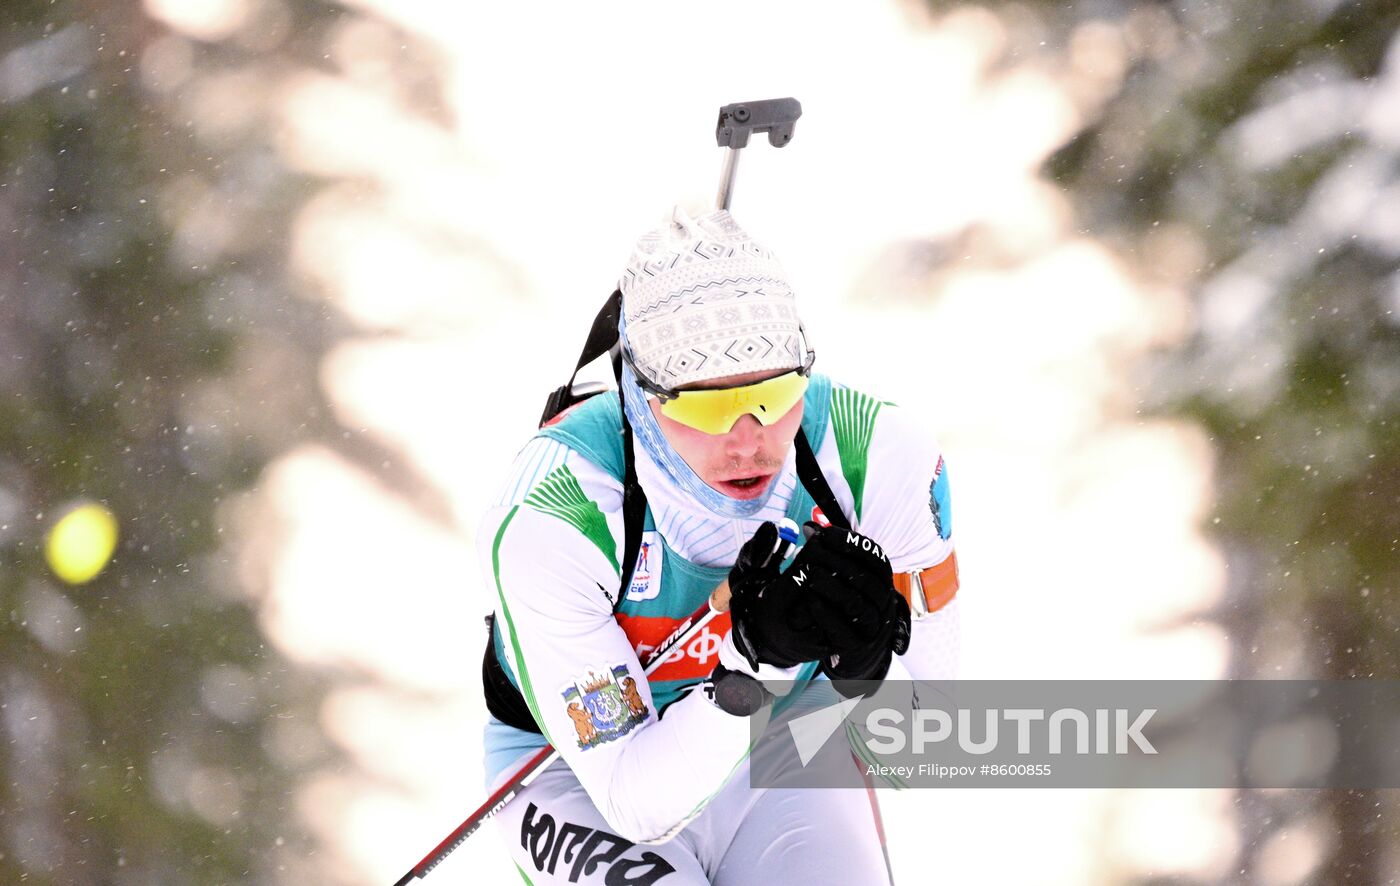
743 462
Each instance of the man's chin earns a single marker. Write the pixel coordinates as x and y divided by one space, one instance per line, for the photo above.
744 489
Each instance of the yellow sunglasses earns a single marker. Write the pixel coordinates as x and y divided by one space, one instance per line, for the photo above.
715 410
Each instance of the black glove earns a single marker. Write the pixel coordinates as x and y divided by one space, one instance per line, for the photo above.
861 614
772 621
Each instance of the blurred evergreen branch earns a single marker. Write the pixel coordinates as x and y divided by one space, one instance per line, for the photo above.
1263 136
156 356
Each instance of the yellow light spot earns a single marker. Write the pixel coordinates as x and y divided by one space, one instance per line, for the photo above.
81 544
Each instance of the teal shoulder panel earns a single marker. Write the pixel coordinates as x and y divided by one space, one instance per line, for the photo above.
594 429
816 409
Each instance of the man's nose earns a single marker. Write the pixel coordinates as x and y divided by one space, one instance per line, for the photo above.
745 438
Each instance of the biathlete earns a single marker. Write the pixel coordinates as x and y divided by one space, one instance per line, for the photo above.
620 518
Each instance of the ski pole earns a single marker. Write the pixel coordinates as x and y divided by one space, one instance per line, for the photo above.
689 628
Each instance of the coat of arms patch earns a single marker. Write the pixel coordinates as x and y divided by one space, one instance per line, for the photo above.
604 704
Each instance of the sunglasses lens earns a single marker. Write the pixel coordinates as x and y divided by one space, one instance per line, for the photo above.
716 411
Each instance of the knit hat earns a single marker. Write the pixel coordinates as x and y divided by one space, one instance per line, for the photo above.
702 300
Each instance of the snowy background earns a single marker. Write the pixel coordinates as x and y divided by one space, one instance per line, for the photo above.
1080 241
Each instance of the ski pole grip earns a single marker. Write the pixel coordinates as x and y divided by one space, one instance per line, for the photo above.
775 116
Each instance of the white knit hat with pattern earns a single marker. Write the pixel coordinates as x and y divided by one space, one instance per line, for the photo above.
702 300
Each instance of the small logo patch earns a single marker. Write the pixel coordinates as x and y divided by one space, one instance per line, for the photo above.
604 704
646 577
939 502
818 517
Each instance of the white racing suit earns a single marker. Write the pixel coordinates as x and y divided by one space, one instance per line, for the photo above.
678 785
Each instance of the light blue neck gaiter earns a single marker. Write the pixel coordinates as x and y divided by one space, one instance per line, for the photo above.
647 432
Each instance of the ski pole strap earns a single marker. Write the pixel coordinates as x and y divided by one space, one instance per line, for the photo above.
814 481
